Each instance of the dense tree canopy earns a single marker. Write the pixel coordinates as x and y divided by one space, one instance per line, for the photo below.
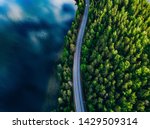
115 61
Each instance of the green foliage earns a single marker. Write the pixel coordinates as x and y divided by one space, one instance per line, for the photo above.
115 61
64 68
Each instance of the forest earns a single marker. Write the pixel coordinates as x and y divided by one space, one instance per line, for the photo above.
115 58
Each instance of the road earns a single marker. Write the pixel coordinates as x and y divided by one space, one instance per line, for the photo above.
77 88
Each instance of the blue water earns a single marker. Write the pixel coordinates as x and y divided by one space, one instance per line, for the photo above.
31 35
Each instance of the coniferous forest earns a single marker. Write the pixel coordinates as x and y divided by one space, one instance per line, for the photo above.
115 58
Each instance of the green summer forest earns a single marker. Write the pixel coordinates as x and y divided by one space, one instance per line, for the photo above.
115 58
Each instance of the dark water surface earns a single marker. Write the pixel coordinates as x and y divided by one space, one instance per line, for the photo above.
31 36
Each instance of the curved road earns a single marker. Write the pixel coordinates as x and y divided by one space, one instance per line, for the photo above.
77 88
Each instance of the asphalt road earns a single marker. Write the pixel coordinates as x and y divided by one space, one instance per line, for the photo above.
77 88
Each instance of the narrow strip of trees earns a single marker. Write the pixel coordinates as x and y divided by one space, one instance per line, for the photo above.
65 66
